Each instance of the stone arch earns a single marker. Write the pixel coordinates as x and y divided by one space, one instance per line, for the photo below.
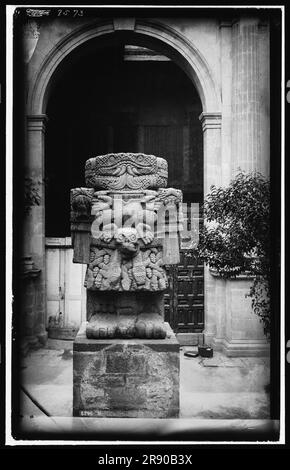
152 32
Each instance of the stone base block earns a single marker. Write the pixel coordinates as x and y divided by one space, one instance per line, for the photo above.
242 348
134 378
64 333
190 339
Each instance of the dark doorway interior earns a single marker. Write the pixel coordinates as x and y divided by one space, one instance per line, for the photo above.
107 104
127 99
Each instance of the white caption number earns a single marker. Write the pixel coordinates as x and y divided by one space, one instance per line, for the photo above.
288 93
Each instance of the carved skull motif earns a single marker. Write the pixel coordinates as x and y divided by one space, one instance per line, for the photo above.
127 241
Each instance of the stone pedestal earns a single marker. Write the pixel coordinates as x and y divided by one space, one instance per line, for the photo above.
116 378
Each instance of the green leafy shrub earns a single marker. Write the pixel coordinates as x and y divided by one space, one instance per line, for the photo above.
235 237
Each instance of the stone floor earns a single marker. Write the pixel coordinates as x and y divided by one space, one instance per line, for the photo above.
219 388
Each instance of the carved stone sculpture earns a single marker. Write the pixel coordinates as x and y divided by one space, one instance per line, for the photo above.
125 227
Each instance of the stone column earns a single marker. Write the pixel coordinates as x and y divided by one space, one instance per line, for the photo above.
211 126
250 124
226 90
27 321
34 239
246 119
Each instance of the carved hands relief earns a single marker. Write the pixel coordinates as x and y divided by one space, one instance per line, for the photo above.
117 270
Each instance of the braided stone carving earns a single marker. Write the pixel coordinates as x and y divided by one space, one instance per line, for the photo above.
120 231
126 171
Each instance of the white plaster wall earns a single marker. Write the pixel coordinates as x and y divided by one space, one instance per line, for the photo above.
204 35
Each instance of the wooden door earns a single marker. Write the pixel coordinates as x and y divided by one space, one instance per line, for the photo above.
184 300
66 294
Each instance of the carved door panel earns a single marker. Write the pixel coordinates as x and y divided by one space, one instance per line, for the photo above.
184 300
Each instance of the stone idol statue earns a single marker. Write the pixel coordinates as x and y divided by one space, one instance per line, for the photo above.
126 227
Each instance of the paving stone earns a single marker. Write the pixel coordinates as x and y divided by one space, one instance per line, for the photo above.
219 392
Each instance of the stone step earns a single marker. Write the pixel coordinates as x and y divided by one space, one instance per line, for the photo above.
190 339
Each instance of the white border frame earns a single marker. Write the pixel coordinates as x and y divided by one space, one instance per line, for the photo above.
9 440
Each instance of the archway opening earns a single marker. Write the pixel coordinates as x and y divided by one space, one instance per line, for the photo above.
118 95
120 98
